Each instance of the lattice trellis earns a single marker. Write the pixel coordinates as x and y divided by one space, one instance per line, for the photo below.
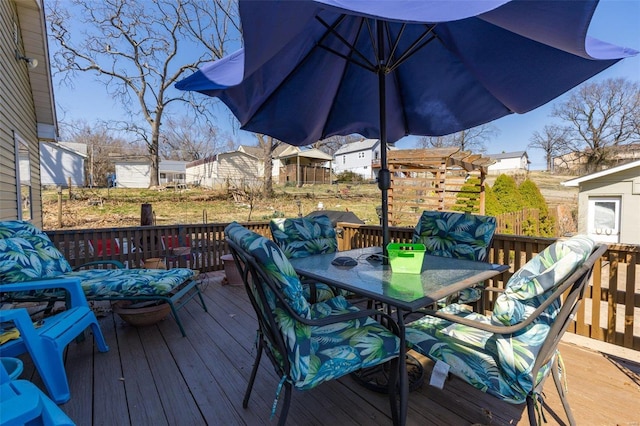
432 179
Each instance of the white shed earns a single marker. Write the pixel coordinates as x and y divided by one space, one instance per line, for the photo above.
135 172
509 162
608 204
59 163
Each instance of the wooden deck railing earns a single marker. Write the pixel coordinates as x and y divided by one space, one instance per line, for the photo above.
610 312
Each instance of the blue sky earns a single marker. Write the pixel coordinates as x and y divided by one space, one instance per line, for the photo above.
615 21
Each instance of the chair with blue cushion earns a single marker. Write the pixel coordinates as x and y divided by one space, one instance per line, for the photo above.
22 403
457 235
46 343
308 344
306 236
27 255
510 353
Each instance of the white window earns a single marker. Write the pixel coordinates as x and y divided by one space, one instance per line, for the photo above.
23 178
604 219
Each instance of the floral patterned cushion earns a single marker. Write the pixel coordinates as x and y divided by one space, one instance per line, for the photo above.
316 353
27 253
303 236
30 257
526 288
459 235
501 364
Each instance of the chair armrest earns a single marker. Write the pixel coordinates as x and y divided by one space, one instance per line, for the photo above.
115 263
70 285
23 322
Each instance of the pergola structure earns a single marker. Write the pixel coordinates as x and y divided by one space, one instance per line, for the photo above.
435 179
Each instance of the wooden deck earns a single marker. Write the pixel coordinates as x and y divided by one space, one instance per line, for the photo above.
154 376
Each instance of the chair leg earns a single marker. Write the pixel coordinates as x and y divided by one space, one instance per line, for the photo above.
555 372
393 391
99 337
285 407
254 371
531 411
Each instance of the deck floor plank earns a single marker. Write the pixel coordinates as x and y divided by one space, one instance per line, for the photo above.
154 376
109 396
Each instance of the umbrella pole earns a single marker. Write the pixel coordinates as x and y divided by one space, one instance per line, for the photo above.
384 177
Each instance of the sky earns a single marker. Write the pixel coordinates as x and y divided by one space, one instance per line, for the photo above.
615 21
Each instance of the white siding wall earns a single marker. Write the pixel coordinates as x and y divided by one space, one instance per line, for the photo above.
229 168
508 164
58 165
133 175
357 162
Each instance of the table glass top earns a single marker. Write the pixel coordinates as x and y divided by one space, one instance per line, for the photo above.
439 278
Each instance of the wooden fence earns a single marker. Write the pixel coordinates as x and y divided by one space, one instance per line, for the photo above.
610 312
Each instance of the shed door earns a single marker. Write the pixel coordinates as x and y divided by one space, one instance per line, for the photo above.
604 219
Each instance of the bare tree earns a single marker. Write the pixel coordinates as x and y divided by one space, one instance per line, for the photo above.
600 116
188 139
552 140
268 145
474 139
132 46
331 144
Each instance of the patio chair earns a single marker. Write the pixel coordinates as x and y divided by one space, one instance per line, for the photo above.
308 344
22 403
46 342
27 254
511 353
457 235
306 236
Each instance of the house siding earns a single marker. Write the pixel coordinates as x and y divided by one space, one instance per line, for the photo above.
228 168
358 161
133 175
58 165
17 116
614 185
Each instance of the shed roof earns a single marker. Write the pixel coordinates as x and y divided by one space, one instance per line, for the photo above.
504 155
597 175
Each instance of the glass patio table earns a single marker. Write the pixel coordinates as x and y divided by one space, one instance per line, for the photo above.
440 277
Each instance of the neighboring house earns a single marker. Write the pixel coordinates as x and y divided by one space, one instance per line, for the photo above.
60 164
228 168
609 204
362 158
27 110
302 166
276 164
576 162
509 162
135 172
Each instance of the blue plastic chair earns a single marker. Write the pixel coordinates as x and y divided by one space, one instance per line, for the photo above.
21 402
46 343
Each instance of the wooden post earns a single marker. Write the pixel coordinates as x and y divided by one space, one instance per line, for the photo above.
59 207
146 215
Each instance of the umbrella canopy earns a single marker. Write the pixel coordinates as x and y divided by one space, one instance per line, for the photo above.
387 69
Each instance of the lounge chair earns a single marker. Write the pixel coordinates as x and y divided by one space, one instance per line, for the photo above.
27 254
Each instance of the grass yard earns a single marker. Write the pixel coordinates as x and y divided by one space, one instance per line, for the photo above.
118 207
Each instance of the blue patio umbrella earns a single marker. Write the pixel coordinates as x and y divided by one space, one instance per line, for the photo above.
311 69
